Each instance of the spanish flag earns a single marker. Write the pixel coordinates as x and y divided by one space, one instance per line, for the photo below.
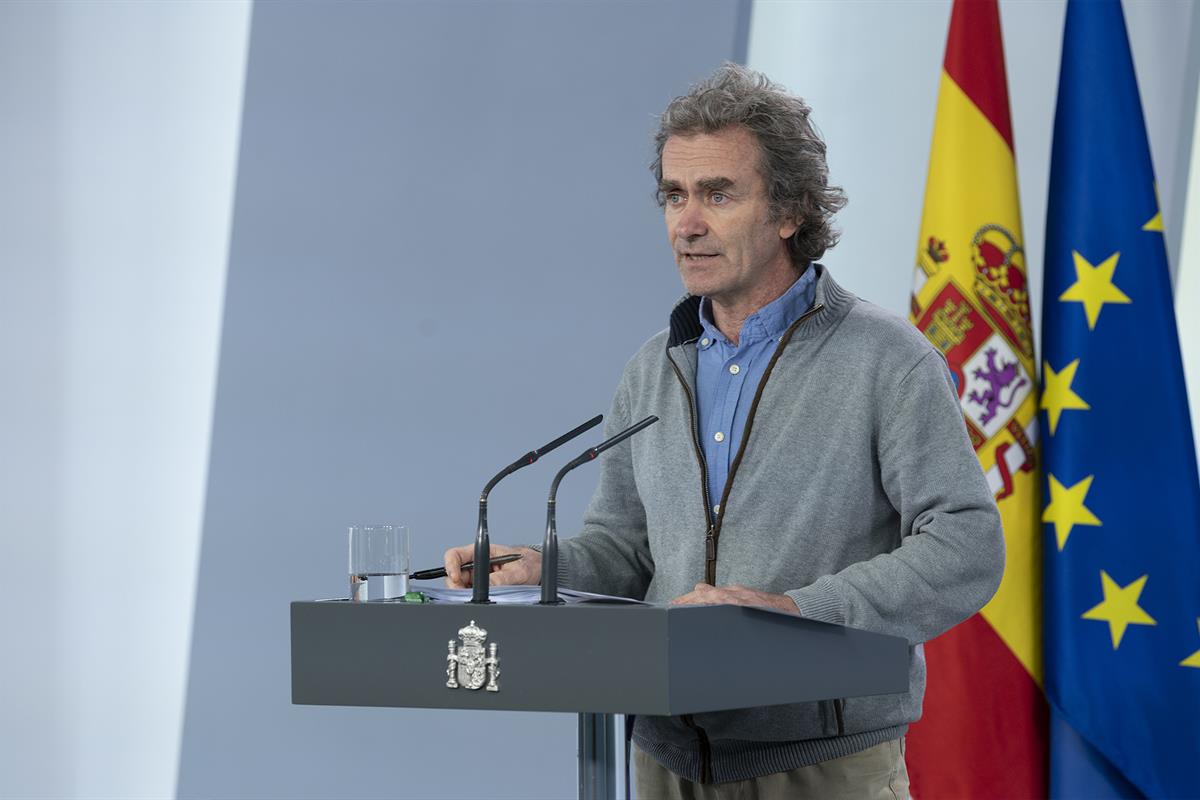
983 730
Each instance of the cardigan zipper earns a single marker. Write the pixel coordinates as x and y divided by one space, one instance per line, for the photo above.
710 549
714 525
710 552
714 531
705 748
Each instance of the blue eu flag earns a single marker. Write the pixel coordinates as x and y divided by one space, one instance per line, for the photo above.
1122 501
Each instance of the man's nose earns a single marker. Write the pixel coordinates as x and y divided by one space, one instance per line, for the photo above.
691 223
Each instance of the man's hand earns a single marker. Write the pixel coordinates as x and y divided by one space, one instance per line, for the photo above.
527 570
707 595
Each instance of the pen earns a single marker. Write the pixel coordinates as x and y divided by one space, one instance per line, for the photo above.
440 572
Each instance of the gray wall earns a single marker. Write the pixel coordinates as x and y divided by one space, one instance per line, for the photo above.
444 249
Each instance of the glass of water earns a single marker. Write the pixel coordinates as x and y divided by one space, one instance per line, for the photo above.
378 562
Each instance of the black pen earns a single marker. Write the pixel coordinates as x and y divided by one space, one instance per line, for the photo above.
440 572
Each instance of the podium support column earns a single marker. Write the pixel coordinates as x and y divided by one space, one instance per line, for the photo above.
603 769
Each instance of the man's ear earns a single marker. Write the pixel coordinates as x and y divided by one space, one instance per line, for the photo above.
788 228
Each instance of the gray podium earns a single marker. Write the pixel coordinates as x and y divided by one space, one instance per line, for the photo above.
596 660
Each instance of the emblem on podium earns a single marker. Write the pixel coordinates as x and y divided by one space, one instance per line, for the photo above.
468 665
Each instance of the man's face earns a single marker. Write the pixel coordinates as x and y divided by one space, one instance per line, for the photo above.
718 218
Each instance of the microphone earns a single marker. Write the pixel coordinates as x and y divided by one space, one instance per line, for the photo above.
483 546
550 544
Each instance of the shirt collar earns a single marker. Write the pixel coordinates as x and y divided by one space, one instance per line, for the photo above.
772 320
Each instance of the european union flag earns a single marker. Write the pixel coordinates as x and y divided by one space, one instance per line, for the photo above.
1122 500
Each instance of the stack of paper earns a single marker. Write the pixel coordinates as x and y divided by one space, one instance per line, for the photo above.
521 594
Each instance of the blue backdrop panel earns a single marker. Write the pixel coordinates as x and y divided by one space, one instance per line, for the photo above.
445 247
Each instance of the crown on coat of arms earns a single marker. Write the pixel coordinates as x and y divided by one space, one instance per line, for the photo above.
472 634
1000 278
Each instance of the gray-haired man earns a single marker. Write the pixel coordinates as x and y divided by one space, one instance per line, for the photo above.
811 457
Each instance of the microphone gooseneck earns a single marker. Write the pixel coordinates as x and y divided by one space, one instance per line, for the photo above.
550 543
481 579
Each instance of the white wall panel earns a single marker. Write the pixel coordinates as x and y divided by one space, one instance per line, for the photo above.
118 147
1187 285
870 70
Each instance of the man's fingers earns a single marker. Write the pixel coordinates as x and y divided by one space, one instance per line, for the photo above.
701 594
505 577
455 557
501 574
704 594
526 570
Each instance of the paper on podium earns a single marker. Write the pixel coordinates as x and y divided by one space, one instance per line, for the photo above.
520 595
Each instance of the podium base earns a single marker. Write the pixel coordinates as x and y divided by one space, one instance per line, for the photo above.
603 758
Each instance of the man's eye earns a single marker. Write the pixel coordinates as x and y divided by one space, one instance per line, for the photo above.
719 198
674 198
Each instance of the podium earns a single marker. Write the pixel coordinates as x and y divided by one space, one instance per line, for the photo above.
595 660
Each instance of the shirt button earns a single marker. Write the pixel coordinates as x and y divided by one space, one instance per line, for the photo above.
704 342
717 508
734 369
720 437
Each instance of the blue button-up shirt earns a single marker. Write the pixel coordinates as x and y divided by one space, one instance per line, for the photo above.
727 375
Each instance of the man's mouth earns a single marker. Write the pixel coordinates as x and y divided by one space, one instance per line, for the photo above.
697 258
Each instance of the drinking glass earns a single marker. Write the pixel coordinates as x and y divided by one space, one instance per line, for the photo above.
379 562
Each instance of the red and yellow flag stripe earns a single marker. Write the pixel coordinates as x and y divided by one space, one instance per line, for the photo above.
983 731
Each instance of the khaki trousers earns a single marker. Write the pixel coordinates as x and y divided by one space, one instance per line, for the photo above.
877 773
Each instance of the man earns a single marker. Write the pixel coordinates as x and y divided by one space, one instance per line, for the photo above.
810 457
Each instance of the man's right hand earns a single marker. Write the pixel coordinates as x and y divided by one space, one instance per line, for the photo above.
526 570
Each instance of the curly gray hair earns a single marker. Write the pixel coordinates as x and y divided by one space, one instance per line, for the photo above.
793 154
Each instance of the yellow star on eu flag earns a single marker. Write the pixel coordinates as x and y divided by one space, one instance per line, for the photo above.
1194 659
1155 223
1066 509
1093 286
1120 608
1057 396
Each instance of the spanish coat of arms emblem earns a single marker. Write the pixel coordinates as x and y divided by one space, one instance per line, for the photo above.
468 666
986 337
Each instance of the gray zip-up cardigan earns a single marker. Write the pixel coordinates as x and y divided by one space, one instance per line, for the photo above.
855 491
